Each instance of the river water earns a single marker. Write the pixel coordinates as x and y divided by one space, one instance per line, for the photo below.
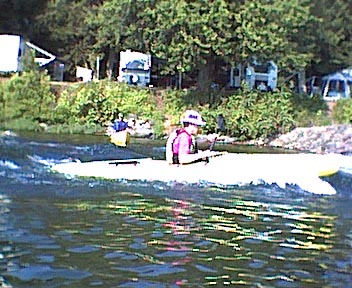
66 232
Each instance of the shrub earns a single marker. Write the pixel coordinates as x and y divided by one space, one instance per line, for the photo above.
342 112
28 96
310 111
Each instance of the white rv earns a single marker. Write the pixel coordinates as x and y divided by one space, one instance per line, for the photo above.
257 75
13 48
135 68
337 86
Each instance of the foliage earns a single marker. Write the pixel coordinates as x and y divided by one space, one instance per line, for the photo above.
310 111
262 31
88 107
330 38
193 35
19 16
97 103
190 35
63 29
251 114
28 97
342 111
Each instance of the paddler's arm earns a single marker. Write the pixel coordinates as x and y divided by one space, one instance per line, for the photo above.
208 141
186 157
201 155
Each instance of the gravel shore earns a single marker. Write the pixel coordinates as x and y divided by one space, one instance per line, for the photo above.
320 139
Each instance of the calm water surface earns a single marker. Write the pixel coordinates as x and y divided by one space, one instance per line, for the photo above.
58 232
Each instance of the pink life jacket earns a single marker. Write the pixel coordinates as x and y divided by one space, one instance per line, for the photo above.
172 146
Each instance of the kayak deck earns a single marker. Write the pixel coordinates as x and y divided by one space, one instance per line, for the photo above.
303 170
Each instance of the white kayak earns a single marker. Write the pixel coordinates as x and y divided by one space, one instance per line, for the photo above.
306 171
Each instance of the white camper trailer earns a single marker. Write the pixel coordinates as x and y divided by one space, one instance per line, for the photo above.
337 86
135 68
257 75
13 48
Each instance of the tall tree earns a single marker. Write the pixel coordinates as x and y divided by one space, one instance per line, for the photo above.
193 34
18 16
270 30
67 32
331 36
120 26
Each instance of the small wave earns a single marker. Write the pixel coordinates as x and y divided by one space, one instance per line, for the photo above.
50 162
9 164
346 163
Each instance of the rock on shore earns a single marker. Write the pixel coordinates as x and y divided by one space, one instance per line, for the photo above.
322 139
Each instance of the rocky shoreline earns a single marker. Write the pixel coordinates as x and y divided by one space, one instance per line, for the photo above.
318 139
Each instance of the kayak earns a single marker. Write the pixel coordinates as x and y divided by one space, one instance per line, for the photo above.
306 171
121 138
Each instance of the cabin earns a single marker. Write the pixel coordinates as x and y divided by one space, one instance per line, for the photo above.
14 47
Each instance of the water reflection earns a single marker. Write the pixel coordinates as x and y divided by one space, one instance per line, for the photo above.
167 238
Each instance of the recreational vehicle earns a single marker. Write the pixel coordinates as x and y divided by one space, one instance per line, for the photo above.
336 86
257 75
135 68
14 47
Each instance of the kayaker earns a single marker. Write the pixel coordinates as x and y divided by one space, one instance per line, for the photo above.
181 146
120 124
221 124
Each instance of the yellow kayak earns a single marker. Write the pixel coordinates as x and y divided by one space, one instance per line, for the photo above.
121 138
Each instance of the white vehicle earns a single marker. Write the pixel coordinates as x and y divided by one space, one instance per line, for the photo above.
135 68
257 75
13 48
336 86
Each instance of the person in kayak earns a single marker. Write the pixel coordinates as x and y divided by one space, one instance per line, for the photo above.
181 146
120 124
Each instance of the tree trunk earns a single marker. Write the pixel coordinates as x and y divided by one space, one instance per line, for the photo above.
204 79
110 64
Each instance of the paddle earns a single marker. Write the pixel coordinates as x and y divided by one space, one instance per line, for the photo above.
124 162
211 148
212 144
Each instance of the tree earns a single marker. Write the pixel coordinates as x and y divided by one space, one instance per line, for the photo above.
18 16
66 32
331 36
120 26
193 34
271 30
190 35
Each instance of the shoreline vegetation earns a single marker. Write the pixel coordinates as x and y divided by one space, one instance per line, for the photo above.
281 118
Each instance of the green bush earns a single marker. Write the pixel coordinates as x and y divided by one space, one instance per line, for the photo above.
310 111
27 96
26 101
342 112
96 103
251 114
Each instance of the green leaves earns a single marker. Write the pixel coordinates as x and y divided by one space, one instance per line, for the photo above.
28 96
342 112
